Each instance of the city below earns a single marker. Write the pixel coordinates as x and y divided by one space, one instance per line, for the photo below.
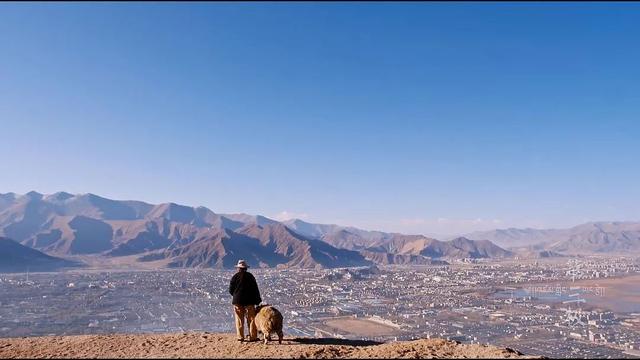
564 307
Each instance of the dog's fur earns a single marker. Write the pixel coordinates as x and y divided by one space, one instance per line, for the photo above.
268 321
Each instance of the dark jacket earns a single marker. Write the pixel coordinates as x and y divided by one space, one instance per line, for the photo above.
244 289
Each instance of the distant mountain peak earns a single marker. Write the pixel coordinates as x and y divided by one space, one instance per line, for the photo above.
59 196
33 195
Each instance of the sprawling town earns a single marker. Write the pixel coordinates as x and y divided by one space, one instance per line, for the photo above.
558 308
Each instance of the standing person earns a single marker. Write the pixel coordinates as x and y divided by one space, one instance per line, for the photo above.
244 289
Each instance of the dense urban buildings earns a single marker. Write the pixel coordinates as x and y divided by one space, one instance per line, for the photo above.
554 307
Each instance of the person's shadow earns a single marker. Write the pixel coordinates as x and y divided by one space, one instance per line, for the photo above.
334 341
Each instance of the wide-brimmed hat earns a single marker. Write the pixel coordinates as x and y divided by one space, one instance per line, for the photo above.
242 264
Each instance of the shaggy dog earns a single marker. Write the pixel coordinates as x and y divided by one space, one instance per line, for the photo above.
268 321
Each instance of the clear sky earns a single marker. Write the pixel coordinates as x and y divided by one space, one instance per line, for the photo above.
416 117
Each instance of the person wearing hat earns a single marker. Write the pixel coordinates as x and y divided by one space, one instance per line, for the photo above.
244 289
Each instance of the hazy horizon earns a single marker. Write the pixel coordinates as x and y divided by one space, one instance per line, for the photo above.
421 118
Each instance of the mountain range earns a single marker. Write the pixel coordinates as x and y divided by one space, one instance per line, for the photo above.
64 224
617 237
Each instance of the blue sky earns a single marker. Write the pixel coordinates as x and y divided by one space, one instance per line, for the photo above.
416 117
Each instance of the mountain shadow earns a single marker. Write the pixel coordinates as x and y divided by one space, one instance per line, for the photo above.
15 257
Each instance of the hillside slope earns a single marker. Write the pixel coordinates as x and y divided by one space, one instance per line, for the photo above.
268 245
205 345
15 257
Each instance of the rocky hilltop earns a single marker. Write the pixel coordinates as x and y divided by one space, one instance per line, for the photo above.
206 345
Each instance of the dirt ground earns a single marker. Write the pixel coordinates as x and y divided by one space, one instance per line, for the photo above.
360 327
208 345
